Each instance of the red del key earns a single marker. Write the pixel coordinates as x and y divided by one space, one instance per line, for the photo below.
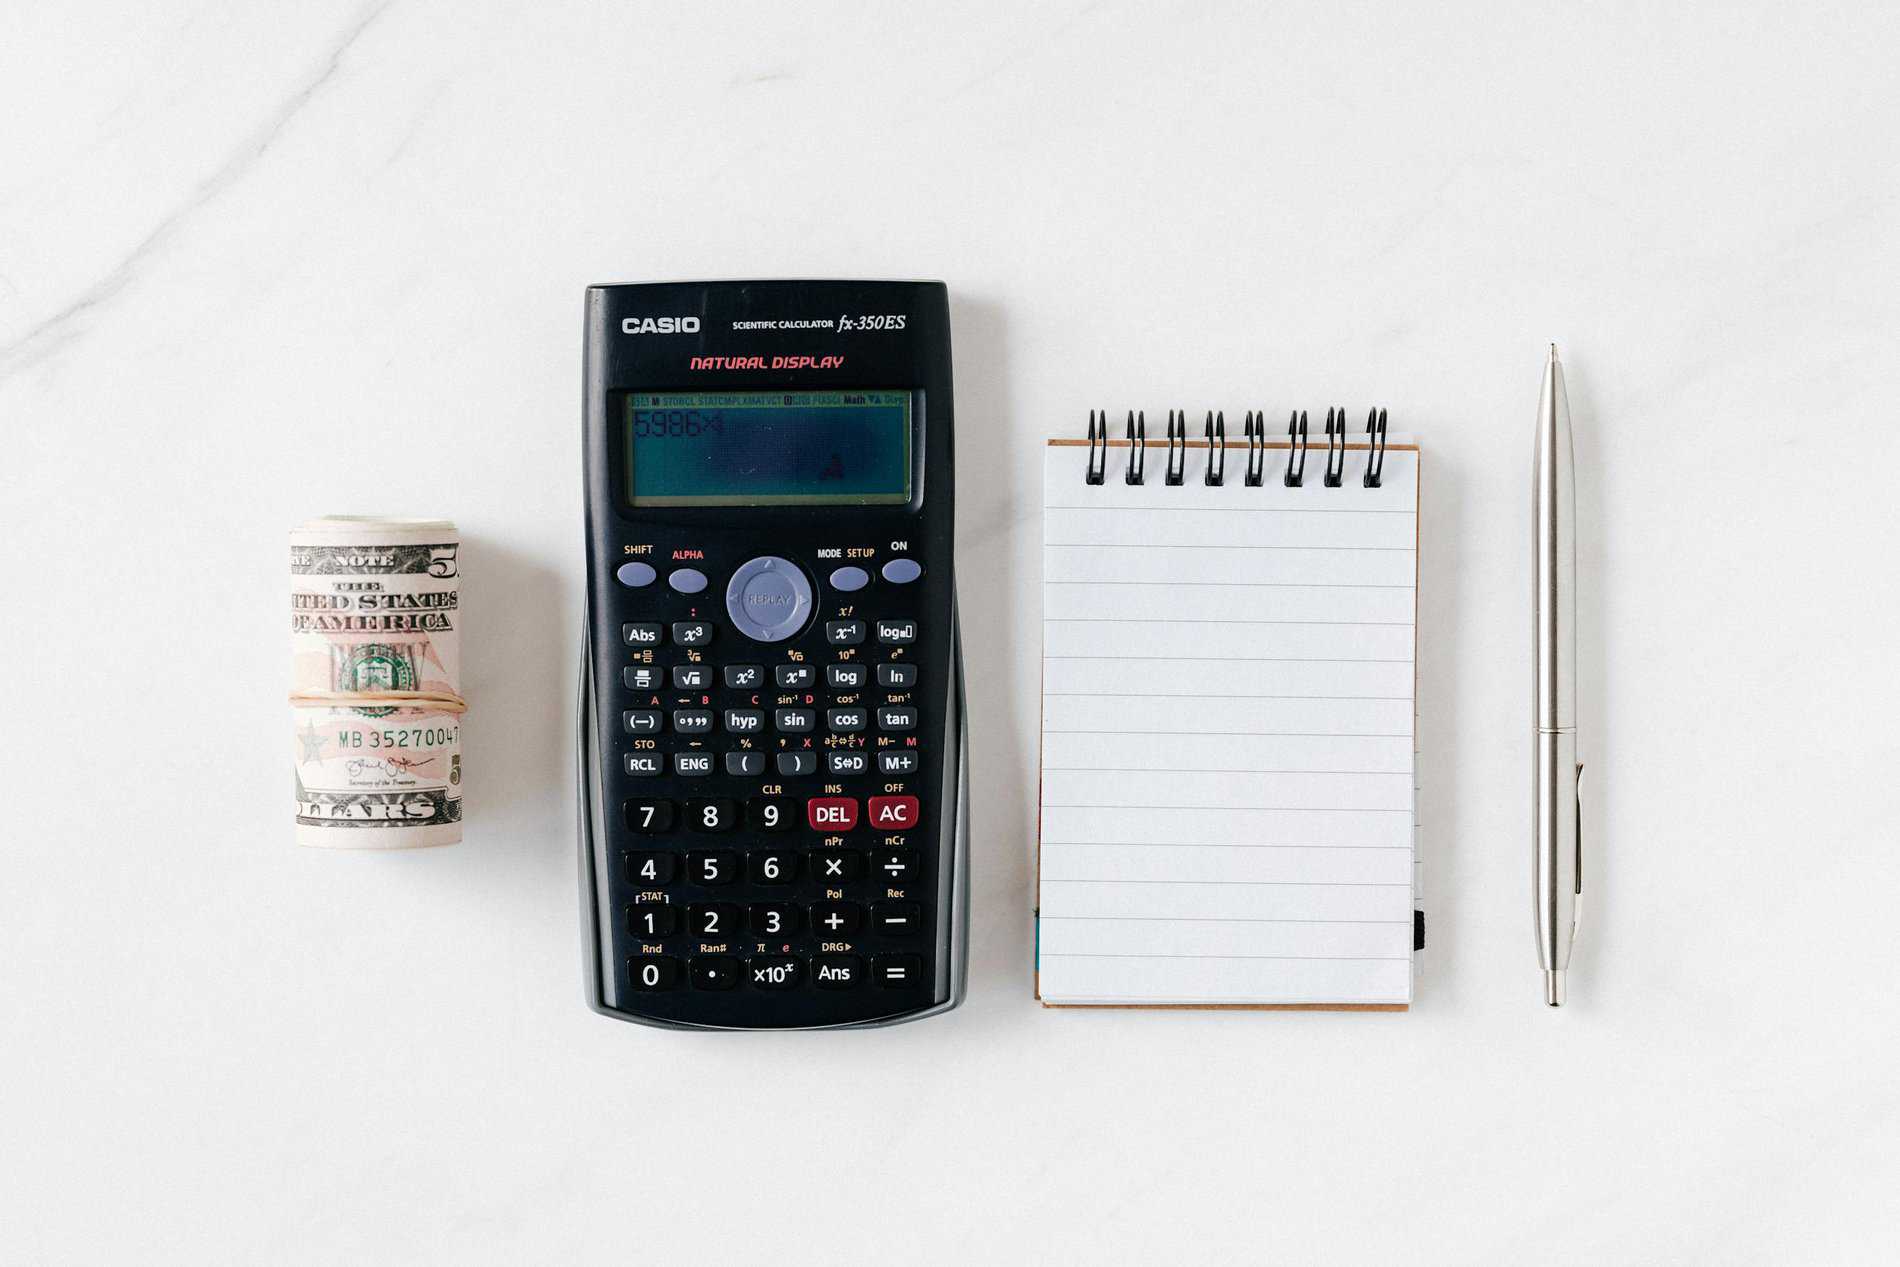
893 813
832 813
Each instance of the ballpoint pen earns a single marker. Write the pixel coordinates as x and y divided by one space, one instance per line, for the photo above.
1556 835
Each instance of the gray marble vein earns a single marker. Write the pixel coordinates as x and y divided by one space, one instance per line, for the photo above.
48 335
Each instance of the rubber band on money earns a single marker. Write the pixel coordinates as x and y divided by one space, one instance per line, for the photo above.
435 701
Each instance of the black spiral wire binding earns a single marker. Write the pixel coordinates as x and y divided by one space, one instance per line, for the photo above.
1254 429
1335 445
1296 445
1375 439
1256 447
1177 447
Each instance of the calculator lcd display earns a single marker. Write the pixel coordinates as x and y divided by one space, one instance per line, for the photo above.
845 448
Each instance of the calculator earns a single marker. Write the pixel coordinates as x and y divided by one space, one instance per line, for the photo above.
771 739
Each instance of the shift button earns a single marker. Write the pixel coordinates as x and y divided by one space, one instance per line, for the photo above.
634 575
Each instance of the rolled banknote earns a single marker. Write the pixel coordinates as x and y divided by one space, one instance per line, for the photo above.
376 682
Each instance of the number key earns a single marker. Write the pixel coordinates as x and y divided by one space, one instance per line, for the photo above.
652 869
654 972
771 866
713 814
650 817
772 813
715 919
774 919
653 919
714 867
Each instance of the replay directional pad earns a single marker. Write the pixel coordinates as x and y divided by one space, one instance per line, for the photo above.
769 598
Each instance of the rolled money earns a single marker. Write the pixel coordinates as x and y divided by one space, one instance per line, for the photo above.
376 682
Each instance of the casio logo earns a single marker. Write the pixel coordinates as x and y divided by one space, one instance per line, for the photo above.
660 325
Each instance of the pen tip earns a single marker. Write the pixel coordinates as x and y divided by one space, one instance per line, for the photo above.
1553 351
1554 987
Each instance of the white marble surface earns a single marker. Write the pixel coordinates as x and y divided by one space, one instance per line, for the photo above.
260 261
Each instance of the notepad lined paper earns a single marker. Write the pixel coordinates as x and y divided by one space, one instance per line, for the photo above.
1227 735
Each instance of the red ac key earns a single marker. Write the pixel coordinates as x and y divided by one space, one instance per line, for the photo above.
893 813
832 813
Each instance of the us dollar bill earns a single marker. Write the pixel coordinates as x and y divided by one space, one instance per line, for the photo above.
375 606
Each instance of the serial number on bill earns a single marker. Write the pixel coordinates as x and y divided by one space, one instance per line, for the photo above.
416 737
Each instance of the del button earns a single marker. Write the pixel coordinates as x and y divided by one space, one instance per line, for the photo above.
831 813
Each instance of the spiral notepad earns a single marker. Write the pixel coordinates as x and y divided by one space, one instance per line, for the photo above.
1228 719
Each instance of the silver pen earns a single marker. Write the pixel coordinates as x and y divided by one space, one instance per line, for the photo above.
1556 836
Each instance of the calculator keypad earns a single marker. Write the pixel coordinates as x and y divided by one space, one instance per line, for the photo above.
789 842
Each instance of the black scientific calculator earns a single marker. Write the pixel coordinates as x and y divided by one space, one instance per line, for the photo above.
771 723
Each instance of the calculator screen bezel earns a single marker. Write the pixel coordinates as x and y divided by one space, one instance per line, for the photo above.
738 513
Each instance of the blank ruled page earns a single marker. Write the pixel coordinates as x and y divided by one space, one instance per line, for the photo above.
1227 734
